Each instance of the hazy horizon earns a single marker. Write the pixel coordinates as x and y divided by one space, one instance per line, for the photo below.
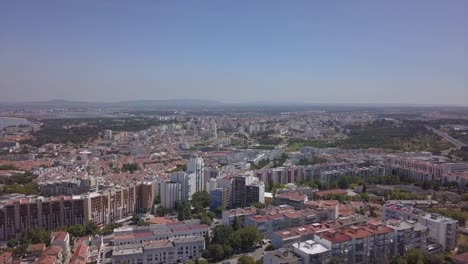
334 52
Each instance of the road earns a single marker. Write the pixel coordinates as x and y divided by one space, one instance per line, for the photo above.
447 137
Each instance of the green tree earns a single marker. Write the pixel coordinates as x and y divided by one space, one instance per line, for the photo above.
215 252
220 234
364 196
201 261
184 211
269 248
219 210
129 167
135 219
259 205
161 211
204 218
246 259
235 224
245 238
91 229
200 200
465 197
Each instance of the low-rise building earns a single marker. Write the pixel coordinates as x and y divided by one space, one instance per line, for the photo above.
281 256
312 252
173 250
61 239
442 229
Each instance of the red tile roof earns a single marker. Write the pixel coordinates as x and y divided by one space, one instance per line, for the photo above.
61 236
334 236
46 260
36 247
81 251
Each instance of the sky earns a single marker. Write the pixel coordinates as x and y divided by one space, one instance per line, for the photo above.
373 51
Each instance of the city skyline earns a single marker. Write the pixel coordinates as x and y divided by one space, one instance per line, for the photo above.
364 52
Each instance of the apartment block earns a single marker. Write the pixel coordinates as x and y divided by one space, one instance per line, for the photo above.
173 250
20 213
312 252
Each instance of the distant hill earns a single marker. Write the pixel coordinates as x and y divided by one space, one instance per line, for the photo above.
131 104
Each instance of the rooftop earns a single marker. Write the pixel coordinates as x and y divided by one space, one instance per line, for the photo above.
310 247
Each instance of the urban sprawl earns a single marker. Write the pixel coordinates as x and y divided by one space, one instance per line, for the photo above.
254 185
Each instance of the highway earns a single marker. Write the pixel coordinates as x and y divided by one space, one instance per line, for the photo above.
447 137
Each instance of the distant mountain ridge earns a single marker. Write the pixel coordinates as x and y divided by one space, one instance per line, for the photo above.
130 103
168 103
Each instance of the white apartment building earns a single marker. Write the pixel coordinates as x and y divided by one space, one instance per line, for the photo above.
140 235
441 229
187 184
312 252
174 250
180 188
196 165
170 194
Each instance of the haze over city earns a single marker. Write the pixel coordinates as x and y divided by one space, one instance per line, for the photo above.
234 132
370 52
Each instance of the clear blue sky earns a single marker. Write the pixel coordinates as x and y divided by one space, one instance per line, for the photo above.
399 51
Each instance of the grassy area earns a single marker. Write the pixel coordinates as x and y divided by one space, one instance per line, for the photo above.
81 130
406 136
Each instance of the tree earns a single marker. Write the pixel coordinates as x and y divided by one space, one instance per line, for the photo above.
372 212
245 238
336 260
215 252
200 200
161 211
465 197
91 229
129 167
246 259
76 230
30 236
184 211
364 196
108 229
219 210
235 224
220 234
343 183
201 261
204 218
269 248
135 219
156 200
259 205
364 188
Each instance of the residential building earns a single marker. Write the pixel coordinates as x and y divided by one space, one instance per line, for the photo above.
442 229
139 235
219 197
62 240
247 190
173 250
196 165
340 244
170 193
281 256
240 214
20 213
312 252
